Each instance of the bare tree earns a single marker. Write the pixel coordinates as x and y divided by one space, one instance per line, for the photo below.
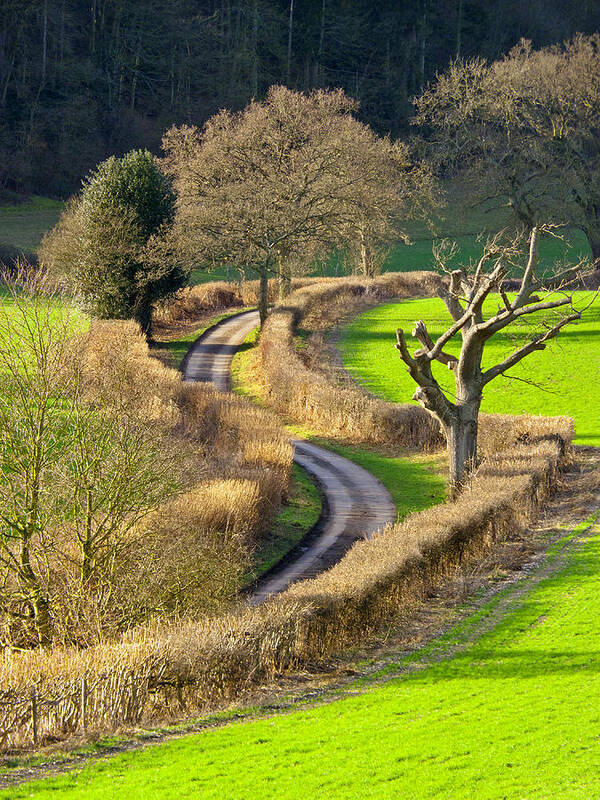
387 186
464 299
281 182
34 421
79 470
525 129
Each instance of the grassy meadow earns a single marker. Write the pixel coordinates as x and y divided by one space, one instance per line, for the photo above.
23 225
504 705
563 379
418 254
457 221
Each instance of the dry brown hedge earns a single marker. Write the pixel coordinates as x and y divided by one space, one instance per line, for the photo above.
309 396
164 672
194 301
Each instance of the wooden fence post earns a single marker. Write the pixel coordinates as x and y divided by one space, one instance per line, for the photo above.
83 703
34 714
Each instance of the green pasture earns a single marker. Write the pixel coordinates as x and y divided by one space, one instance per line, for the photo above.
418 255
23 225
458 221
505 705
563 379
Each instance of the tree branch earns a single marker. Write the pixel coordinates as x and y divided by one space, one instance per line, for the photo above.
528 275
538 343
421 333
450 296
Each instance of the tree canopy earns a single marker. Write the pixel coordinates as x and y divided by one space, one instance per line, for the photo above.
285 180
525 128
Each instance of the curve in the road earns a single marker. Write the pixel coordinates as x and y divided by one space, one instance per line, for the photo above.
357 504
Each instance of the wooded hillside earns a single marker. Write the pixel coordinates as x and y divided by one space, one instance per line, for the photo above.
84 79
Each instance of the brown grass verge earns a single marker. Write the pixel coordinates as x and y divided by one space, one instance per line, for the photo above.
307 395
193 302
164 672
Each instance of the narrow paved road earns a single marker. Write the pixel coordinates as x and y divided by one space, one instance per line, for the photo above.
356 503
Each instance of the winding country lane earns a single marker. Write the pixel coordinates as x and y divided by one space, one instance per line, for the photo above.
355 502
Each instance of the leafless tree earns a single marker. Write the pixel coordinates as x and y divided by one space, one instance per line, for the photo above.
79 471
525 130
464 298
283 181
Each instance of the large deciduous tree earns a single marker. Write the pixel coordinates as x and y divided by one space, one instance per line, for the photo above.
283 181
526 129
549 310
110 243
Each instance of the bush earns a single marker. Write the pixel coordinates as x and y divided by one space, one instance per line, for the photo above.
111 243
163 672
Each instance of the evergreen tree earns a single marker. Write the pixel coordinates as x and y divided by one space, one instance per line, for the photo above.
110 245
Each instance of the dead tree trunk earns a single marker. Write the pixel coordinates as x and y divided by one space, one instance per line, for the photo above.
461 438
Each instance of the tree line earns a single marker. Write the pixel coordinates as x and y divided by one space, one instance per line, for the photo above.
80 81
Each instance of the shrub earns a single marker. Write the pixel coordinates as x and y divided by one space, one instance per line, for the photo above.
110 244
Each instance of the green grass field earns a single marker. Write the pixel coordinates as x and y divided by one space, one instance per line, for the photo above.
567 373
419 255
458 221
505 705
23 225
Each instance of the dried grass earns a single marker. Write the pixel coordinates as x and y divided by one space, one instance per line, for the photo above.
165 671
308 395
194 301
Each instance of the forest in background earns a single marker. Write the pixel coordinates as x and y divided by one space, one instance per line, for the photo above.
83 79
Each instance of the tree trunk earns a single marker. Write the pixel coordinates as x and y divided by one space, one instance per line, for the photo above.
263 296
142 314
593 236
42 620
461 438
285 279
364 257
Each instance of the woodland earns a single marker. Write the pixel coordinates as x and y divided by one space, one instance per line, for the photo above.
80 81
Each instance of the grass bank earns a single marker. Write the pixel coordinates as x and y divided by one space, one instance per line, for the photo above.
298 515
504 705
563 379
